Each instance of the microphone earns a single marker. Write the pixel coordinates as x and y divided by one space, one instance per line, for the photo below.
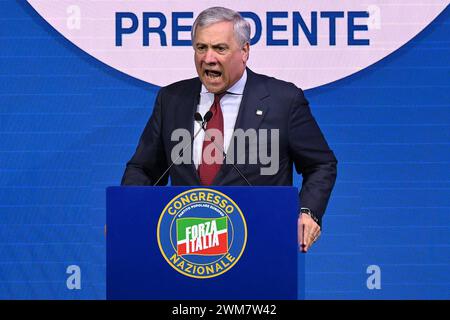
197 117
208 116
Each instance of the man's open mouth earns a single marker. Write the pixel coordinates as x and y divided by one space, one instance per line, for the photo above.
213 74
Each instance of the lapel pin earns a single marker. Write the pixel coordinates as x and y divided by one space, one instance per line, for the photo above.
259 112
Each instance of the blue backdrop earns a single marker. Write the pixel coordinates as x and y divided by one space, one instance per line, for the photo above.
69 123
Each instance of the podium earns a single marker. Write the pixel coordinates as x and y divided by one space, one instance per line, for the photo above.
161 243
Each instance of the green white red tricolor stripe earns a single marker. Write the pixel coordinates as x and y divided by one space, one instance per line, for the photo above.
202 236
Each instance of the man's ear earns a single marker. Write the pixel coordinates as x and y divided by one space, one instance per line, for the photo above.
245 52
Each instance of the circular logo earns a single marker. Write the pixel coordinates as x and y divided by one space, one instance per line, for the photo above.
202 233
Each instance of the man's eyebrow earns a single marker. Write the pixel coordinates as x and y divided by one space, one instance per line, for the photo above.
220 45
214 45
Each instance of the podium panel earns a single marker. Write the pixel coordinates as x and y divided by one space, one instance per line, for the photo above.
161 243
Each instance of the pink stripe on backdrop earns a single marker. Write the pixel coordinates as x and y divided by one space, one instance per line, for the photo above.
90 25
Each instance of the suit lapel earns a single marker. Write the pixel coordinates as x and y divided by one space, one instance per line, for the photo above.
185 119
251 113
252 110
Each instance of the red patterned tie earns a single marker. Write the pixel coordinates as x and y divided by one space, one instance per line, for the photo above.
209 166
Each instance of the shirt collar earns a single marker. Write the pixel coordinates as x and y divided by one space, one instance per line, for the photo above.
237 88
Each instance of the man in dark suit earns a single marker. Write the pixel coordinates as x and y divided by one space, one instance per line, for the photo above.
237 98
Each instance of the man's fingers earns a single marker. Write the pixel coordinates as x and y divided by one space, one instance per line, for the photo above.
314 236
304 235
301 235
308 232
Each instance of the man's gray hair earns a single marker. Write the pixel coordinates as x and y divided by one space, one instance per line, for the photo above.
219 14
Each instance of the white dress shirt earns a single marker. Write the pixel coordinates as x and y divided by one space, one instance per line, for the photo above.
230 104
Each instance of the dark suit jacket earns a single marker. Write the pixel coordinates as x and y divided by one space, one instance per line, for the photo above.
283 107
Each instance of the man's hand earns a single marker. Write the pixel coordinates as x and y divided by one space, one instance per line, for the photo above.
308 232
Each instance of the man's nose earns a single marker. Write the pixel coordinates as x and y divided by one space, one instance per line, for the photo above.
210 57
